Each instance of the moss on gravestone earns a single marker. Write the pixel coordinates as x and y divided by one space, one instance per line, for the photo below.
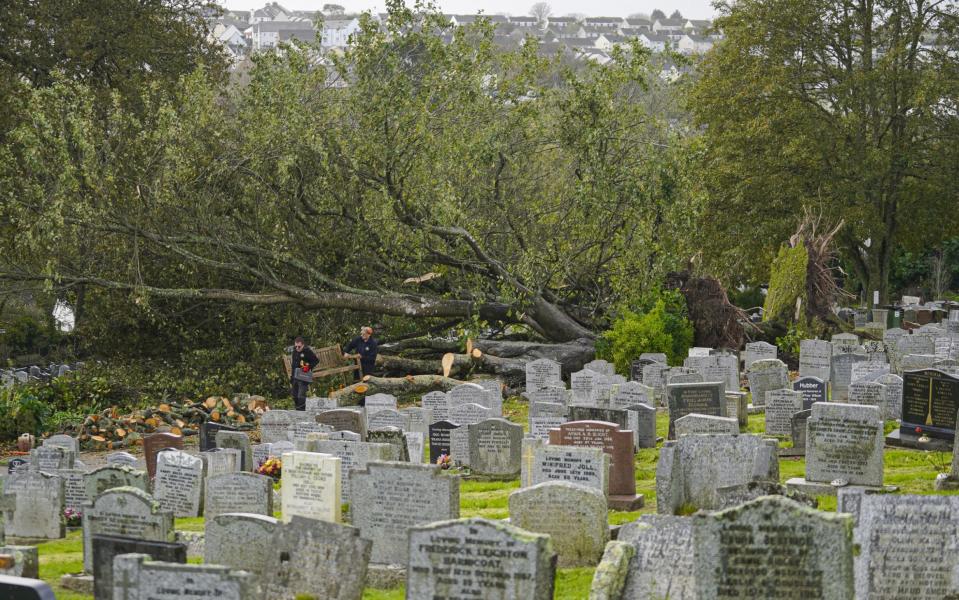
609 580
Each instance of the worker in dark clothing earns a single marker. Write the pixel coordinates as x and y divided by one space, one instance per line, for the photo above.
302 363
366 347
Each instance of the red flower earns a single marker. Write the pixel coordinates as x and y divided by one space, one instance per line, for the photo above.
918 429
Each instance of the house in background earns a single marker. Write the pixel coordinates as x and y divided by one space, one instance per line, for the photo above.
271 11
268 34
336 32
692 43
611 24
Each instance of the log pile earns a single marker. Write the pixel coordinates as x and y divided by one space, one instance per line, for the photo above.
109 430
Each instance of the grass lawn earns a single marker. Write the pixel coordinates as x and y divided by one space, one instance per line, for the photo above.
912 470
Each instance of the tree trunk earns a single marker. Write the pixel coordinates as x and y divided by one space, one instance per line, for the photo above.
413 384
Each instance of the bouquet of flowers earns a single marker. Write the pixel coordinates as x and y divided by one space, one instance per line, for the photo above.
73 517
444 461
272 467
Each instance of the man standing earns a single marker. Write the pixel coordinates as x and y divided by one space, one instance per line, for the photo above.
303 361
366 347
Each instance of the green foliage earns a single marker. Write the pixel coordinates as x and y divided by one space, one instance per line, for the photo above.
27 335
787 282
21 412
662 328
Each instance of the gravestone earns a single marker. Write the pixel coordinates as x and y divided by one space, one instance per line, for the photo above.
208 431
121 458
136 577
663 564
618 444
812 389
471 393
52 458
344 419
699 398
625 419
37 508
630 393
415 445
469 413
781 405
20 561
74 488
587 387
387 417
460 445
440 442
278 449
683 375
353 456
583 466
693 423
438 402
644 435
377 402
518 564
419 419
495 446
841 375
108 547
66 442
734 495
691 469
301 429
758 351
843 441
908 546
765 375
277 425
930 400
230 537
544 416
493 386
574 516
892 399
237 440
815 359
178 486
798 426
654 376
315 405
127 512
218 461
772 547
868 393
106 478
154 443
601 366
844 339
388 500
549 394
393 437
867 369
315 559
543 372
18 465
310 486
239 492
716 367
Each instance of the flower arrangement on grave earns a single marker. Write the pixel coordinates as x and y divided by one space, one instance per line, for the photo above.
273 467
73 517
444 461
923 438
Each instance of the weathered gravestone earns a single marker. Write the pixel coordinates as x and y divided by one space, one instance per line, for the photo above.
781 405
813 389
544 416
136 577
315 405
868 393
574 516
52 458
377 402
106 478
549 394
74 488
439 403
440 442
797 426
388 500
277 425
841 375
126 512
663 564
627 420
394 437
344 419
154 443
694 423
583 466
178 486
472 393
716 367
121 458
867 370
108 547
758 351
238 541
588 388
618 444
699 398
843 442
63 441
301 429
930 401
654 375
415 445
237 440
644 436
765 375
387 417
772 547
36 510
469 413
630 393
734 495
418 419
18 465
514 564
460 445
601 366
495 446
909 546
316 559
354 456
238 493
218 461
310 486
815 359
691 469
543 372
208 431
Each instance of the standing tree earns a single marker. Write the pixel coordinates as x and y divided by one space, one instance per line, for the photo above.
676 15
333 9
657 14
847 109
541 10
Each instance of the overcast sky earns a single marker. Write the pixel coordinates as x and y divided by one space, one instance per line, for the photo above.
691 9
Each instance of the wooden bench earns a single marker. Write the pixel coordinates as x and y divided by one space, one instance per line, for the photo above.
331 362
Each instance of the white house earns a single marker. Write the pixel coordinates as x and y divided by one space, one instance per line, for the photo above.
336 32
694 44
606 41
267 34
232 40
609 23
524 21
272 11
654 41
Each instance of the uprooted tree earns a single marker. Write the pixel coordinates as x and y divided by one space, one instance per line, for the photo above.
409 177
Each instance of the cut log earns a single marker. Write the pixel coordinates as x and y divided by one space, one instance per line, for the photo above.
412 384
447 363
476 353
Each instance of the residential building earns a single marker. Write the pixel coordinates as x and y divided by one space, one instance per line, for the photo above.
267 34
336 32
272 11
608 23
694 44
